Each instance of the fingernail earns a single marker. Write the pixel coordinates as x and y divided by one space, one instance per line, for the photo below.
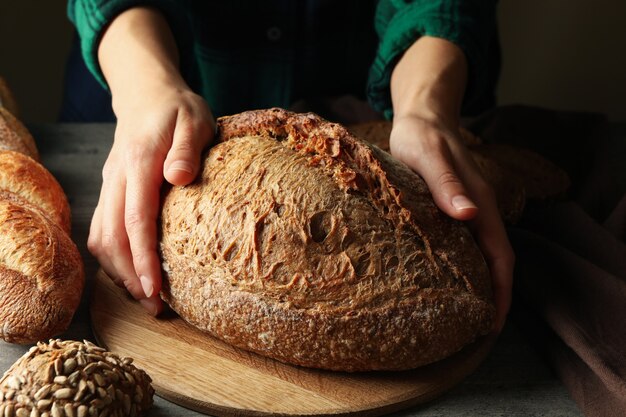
460 202
146 284
181 166
150 305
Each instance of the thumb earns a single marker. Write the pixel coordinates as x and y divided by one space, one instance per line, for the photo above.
450 194
447 188
183 159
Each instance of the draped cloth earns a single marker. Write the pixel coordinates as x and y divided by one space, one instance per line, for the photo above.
570 273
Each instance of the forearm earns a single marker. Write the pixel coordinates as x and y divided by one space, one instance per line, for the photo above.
429 81
136 51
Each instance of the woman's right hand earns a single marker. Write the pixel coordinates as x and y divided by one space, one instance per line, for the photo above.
162 128
160 134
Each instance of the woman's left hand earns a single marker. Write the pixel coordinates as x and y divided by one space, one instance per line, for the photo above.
436 153
427 89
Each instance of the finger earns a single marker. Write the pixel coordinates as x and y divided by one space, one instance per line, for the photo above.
141 210
494 244
446 186
94 240
191 135
116 255
152 305
502 271
94 243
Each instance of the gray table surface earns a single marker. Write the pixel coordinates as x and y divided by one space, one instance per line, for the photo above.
513 380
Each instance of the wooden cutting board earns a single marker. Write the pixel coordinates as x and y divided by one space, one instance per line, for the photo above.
202 373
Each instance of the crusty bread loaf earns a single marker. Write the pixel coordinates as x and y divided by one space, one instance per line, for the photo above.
15 137
41 271
27 178
540 177
302 243
509 189
74 379
6 98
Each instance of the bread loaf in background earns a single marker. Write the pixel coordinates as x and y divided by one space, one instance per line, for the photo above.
302 243
7 100
516 175
41 271
15 137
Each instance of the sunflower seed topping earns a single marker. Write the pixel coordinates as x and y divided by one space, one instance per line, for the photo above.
74 380
63 393
82 411
61 379
43 392
69 410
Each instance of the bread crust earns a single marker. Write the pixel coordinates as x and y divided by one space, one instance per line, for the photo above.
304 244
27 178
15 137
41 273
7 100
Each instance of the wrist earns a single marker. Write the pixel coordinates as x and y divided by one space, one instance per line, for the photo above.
429 81
138 54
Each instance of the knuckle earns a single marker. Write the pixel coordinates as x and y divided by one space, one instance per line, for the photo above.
140 257
109 243
448 178
93 246
108 169
133 286
134 219
185 145
136 153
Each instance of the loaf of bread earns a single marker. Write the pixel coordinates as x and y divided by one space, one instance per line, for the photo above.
41 271
304 244
15 137
6 98
74 379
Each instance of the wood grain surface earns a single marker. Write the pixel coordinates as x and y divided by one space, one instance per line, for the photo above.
197 371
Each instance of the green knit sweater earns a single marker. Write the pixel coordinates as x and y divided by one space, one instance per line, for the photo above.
244 54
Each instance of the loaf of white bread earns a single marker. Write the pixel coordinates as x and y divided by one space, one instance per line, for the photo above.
41 271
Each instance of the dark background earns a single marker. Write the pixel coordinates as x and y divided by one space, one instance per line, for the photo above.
559 54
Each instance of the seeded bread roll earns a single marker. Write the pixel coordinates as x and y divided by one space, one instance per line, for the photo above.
6 98
304 244
68 378
41 271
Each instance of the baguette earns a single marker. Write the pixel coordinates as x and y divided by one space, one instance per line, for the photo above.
304 244
41 271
